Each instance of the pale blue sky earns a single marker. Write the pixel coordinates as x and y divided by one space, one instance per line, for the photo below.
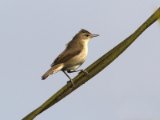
34 32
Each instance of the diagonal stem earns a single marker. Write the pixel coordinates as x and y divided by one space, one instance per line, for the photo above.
95 68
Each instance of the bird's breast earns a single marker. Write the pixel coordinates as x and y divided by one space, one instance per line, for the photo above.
81 57
77 60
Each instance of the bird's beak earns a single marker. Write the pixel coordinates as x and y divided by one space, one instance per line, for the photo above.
95 35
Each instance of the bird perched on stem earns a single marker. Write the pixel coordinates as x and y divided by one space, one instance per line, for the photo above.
73 56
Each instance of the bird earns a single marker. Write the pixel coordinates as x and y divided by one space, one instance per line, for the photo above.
73 56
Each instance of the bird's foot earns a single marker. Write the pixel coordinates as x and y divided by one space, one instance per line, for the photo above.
85 72
71 81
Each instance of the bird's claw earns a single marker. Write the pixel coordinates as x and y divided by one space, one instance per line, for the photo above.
71 81
85 72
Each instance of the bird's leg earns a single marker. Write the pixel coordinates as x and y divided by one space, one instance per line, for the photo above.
69 78
81 70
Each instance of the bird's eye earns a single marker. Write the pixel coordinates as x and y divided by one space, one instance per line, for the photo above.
87 35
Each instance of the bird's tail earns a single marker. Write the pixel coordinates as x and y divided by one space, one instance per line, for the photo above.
53 70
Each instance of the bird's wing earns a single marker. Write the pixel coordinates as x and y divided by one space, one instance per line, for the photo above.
66 55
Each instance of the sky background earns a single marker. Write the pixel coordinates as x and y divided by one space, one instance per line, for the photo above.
34 32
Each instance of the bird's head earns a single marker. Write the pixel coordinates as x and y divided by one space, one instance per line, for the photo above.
85 35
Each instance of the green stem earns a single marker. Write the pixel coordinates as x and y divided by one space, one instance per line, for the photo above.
94 68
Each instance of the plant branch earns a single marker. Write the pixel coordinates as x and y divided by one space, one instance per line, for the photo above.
94 68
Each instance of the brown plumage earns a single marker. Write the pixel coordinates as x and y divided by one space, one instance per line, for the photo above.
52 70
74 54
